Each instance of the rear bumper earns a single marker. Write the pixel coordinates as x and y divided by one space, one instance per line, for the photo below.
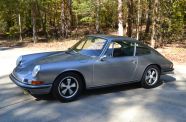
168 71
40 89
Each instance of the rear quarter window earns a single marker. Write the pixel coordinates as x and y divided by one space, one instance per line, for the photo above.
142 50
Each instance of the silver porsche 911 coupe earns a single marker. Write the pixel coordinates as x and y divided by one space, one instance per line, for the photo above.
95 61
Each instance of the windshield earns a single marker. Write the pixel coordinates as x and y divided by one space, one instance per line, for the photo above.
91 46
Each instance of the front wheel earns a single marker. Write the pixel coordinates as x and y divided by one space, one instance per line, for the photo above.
151 77
67 87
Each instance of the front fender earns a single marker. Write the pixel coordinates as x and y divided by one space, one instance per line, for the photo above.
49 72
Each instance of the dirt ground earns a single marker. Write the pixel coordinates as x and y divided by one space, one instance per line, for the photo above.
175 54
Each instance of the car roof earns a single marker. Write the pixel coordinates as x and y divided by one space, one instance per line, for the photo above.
114 38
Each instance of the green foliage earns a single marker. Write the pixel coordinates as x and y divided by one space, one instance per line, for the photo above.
2 25
87 19
108 13
177 20
171 21
84 9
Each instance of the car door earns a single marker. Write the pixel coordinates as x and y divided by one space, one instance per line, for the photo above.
118 65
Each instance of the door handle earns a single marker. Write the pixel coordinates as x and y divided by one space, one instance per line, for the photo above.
134 61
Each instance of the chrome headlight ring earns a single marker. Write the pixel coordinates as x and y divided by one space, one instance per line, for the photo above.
36 70
19 60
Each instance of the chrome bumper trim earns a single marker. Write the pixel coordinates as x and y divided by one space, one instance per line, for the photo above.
28 86
168 71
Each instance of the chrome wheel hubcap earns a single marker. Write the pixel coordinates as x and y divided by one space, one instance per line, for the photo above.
68 87
151 76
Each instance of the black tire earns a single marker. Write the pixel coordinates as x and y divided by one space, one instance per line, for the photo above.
61 84
145 82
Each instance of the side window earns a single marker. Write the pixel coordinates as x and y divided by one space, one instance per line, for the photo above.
142 50
120 49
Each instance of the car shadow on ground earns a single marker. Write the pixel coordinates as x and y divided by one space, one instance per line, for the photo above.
111 89
125 87
117 88
167 79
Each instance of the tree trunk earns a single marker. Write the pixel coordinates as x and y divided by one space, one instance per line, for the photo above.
20 28
148 17
130 18
154 19
69 16
184 28
66 17
55 22
35 38
138 21
120 17
63 22
77 23
43 22
97 15
126 27
34 29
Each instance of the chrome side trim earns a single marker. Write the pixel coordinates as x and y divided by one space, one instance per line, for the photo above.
112 85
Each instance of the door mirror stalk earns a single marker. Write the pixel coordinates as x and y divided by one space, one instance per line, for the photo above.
103 58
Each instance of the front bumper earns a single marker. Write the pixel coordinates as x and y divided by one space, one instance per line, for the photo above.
40 89
168 71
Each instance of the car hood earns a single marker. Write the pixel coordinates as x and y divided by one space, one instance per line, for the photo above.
30 61
61 57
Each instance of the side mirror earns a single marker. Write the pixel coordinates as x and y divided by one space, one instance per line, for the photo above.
103 58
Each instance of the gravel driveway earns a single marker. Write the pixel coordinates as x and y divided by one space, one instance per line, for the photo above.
127 103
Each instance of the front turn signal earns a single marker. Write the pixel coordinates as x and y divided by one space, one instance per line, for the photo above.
37 82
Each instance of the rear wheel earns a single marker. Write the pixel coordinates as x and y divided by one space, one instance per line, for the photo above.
67 87
151 77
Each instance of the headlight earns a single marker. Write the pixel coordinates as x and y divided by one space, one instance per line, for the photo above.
19 59
36 70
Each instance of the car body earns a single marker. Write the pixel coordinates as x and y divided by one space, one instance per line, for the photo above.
106 65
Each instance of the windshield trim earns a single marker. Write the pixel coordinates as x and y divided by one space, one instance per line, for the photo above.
103 49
